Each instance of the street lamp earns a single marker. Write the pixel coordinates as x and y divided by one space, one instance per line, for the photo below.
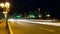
6 7
7 4
2 5
48 15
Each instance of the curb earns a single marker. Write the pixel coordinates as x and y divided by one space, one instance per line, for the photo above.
10 30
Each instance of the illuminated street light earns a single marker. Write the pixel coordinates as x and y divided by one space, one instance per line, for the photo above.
2 5
6 7
7 4
48 15
4 12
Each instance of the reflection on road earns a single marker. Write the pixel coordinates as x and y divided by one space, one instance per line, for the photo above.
28 27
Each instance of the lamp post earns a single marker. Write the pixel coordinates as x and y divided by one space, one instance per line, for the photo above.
6 7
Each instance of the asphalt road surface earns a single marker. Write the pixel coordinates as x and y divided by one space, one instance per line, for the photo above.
33 28
30 27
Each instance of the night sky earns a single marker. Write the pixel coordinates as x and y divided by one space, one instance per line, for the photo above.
25 5
53 6
21 6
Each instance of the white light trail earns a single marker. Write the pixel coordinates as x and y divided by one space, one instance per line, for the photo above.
46 22
11 20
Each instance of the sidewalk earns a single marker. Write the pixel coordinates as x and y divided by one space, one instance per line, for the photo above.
3 29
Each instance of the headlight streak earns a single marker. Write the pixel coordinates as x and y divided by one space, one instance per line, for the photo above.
37 22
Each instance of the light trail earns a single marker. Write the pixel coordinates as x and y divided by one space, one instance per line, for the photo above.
31 21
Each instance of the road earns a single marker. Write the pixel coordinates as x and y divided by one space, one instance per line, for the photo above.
27 26
19 27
